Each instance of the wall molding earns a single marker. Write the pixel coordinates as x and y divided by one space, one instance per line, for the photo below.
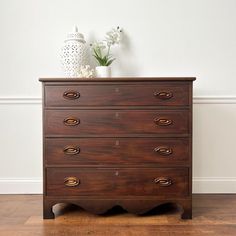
196 100
20 100
200 185
214 100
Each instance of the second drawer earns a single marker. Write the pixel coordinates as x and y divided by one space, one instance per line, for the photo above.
115 123
108 151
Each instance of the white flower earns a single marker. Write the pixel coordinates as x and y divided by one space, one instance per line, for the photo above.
102 50
98 45
113 36
86 72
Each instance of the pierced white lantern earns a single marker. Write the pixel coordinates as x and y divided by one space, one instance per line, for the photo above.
73 53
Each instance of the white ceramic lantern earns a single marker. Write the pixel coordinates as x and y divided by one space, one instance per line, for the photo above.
73 53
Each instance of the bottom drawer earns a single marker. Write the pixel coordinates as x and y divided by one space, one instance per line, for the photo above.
117 181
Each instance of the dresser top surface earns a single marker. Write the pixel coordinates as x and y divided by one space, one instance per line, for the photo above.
119 79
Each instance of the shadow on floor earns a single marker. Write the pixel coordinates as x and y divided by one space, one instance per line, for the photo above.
164 209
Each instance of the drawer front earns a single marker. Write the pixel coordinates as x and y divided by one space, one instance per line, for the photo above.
115 123
156 94
127 151
117 182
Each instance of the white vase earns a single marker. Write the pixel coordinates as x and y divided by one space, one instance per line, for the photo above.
73 53
103 71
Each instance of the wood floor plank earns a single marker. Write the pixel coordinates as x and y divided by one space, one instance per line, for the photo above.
213 215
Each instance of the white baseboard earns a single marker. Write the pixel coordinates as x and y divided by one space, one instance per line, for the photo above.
214 185
200 185
21 186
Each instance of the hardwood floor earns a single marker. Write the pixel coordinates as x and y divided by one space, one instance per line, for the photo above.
212 215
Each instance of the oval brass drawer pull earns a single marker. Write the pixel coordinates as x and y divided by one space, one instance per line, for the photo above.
163 150
71 181
163 95
71 121
163 181
71 95
71 150
163 121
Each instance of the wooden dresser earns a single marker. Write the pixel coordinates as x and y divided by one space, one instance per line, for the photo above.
117 141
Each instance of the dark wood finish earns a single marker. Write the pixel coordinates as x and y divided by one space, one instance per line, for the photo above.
111 151
118 141
115 123
47 209
118 79
161 94
114 181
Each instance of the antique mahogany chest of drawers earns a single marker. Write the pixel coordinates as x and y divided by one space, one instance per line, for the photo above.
117 141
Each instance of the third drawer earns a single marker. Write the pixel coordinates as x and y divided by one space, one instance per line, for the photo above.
113 151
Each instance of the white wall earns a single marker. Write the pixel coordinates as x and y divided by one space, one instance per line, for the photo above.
162 38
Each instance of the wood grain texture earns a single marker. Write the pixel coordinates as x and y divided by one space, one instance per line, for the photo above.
213 215
117 95
115 123
113 182
114 151
119 141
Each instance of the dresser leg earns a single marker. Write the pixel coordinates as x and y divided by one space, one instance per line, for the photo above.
187 211
47 211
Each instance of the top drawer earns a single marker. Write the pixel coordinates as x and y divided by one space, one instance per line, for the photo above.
156 94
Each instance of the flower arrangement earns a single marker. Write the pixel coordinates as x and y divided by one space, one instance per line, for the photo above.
102 49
